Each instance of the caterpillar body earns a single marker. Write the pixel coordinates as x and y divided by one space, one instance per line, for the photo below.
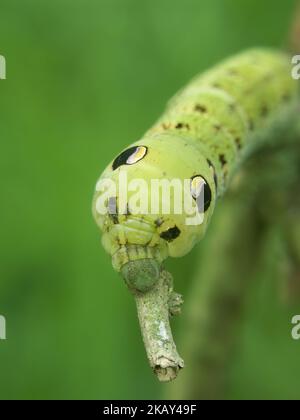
206 132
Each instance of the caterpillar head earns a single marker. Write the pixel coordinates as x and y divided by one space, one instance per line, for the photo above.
153 201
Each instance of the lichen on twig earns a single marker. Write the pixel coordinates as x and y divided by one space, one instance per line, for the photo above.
154 310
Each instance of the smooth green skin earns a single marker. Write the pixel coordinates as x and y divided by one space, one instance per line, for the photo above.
221 116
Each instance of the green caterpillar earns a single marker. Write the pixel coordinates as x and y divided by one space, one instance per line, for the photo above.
208 129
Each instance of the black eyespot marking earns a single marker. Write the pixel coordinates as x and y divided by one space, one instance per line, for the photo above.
130 156
122 158
171 234
214 172
201 192
113 210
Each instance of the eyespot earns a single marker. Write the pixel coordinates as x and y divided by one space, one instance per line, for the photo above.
200 187
130 156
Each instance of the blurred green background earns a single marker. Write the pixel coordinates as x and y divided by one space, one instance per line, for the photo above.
85 78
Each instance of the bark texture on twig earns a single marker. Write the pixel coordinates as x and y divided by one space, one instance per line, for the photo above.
154 310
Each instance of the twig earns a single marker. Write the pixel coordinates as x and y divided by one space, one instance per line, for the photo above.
154 308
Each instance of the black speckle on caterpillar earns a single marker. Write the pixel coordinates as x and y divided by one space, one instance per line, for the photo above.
171 234
206 132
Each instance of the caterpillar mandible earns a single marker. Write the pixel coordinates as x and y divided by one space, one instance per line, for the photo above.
206 132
